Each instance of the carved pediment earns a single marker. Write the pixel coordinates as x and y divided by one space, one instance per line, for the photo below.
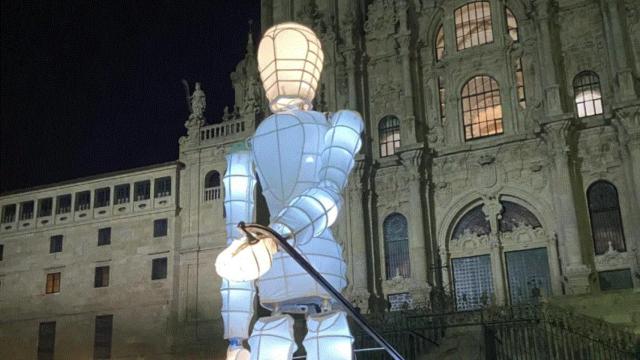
613 259
524 234
469 241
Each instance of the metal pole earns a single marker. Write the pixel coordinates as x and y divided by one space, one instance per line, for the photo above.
295 255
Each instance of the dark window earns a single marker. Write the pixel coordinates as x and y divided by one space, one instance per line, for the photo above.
102 340
512 24
442 101
389 135
588 97
46 340
63 204
396 246
83 200
142 190
439 43
121 194
102 277
481 108
473 222
26 210
606 222
160 227
53 283
514 215
615 279
159 269
102 197
9 213
212 186
104 236
45 207
520 84
1 252
55 244
162 187
473 24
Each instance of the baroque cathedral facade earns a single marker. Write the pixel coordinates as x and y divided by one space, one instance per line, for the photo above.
500 165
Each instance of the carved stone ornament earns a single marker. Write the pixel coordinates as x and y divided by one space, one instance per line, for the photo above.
613 259
524 236
469 241
381 19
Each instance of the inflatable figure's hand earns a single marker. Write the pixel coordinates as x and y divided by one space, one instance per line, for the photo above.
237 352
245 259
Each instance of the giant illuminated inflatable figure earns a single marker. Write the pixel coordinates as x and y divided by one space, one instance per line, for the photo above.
303 159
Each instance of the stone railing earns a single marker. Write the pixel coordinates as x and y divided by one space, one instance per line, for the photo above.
225 129
212 193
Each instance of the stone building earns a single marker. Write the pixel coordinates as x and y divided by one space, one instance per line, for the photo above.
500 164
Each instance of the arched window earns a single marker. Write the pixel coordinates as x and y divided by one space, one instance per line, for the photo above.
473 24
514 215
396 246
474 221
212 186
389 132
588 97
606 221
512 24
439 43
481 108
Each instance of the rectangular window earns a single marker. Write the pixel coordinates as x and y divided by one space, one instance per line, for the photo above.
102 197
55 244
45 207
615 279
26 210
104 236
159 269
122 193
1 252
63 204
46 340
9 213
53 283
160 227
83 200
102 277
102 339
142 190
162 187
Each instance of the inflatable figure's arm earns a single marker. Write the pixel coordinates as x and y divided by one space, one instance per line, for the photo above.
310 213
238 296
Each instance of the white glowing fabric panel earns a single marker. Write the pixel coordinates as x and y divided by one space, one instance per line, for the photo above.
286 280
237 307
290 62
328 337
272 338
342 143
238 353
244 261
239 183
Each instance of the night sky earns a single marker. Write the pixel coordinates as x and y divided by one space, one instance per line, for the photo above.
94 86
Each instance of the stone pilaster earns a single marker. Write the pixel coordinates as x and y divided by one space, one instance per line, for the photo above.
618 50
548 59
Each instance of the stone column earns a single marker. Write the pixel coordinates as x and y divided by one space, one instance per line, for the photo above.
408 130
550 64
575 271
618 50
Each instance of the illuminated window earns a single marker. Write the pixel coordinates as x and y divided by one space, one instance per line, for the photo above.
481 108
604 213
512 25
53 283
473 25
442 101
396 246
520 84
440 43
389 135
586 88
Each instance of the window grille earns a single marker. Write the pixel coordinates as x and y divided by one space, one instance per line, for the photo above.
440 43
46 340
162 187
473 25
53 283
121 193
212 190
481 108
588 97
160 227
474 221
606 221
102 197
26 210
102 339
142 190
101 277
512 24
45 207
396 246
104 236
473 282
400 301
9 213
389 135
55 244
528 275
520 84
63 204
159 269
83 200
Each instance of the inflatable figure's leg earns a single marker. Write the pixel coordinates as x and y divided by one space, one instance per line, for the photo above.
272 338
328 337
